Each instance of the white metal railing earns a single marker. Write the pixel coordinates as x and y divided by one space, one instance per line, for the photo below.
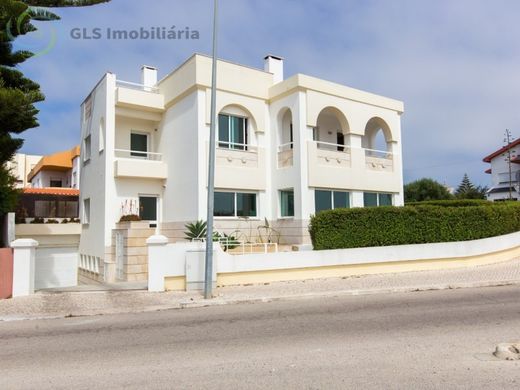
332 147
285 147
136 86
379 154
137 154
89 263
237 146
231 244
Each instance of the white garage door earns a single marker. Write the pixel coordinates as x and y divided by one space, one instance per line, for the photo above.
56 267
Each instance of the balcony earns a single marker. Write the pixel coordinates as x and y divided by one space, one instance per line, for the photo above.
286 155
378 160
138 96
239 166
343 167
137 164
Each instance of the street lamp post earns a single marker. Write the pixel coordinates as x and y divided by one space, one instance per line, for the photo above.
208 280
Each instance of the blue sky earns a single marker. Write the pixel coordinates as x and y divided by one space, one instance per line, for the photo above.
455 64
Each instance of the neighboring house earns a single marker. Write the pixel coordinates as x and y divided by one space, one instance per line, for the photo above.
54 188
286 149
20 166
504 186
58 170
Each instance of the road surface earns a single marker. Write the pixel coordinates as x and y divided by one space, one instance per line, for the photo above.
424 340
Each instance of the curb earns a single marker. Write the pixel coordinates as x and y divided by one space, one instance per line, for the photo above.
340 293
221 301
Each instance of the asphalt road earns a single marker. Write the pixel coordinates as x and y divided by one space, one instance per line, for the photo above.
426 340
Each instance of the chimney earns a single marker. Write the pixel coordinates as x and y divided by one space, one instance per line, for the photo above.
274 65
148 76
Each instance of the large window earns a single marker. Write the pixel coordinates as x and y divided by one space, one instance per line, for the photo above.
148 208
328 200
374 199
232 132
139 145
235 204
287 203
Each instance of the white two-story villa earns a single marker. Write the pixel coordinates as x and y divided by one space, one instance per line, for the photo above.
286 149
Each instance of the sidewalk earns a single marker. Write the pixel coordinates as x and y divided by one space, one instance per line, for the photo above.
85 301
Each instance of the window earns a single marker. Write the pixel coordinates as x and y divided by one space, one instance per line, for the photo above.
139 145
232 132
67 209
374 199
102 135
235 204
315 134
291 136
148 208
56 183
87 109
86 211
340 140
44 209
287 203
328 200
87 146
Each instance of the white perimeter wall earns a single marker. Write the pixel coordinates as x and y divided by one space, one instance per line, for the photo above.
169 260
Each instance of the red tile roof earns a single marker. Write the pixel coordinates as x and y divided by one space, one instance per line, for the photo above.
487 170
52 191
501 150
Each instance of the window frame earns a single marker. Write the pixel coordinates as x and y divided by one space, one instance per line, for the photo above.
235 204
87 143
229 144
332 199
280 200
378 198
139 153
85 214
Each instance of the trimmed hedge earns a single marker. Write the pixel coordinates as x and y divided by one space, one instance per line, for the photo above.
418 224
453 203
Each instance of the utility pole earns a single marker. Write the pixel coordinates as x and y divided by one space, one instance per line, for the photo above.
508 139
208 280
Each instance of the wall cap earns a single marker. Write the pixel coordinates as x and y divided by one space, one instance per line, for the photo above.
157 240
24 243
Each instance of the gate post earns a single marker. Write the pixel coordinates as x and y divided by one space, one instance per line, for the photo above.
23 266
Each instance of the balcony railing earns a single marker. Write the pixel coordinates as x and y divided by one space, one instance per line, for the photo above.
379 154
236 146
136 86
285 155
379 160
332 147
136 154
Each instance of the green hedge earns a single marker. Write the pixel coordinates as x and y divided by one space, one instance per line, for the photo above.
382 226
453 203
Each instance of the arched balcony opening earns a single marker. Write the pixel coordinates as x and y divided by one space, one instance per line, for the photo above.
377 143
285 138
331 130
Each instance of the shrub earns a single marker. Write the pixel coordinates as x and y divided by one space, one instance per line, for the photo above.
453 203
52 221
38 220
418 224
130 218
